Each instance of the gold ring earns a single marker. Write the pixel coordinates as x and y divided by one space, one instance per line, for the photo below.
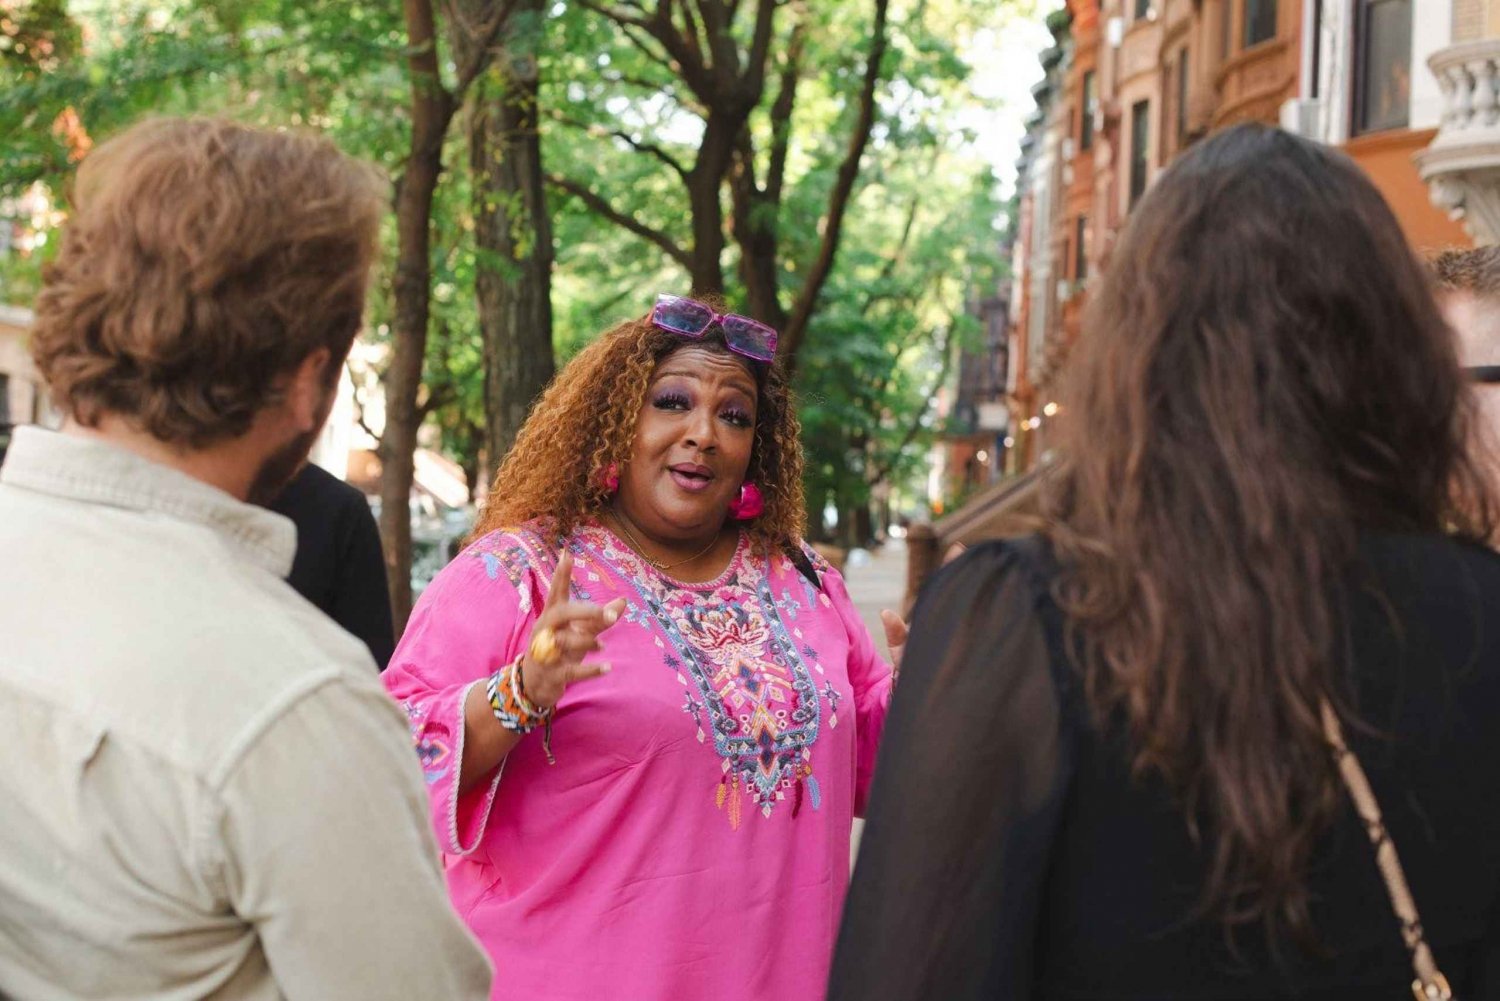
544 651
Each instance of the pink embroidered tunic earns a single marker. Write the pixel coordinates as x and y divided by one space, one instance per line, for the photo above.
692 840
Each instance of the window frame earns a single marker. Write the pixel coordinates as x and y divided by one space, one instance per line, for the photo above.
1140 151
1359 80
1080 258
1183 92
1247 41
1090 88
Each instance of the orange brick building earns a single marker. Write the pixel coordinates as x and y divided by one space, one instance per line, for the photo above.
1407 88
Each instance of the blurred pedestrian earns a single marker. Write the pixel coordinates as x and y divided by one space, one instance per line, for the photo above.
339 566
206 792
649 711
1109 770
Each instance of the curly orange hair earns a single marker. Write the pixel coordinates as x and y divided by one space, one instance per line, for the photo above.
586 419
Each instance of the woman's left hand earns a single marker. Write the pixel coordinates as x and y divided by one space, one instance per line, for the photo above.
895 637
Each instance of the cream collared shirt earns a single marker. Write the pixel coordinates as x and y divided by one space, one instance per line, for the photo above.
204 791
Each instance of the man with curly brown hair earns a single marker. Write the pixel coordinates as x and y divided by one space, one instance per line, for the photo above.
206 793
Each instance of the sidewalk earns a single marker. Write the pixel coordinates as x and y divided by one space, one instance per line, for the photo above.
879 583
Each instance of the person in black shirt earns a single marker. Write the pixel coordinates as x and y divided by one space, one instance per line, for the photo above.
1107 772
339 566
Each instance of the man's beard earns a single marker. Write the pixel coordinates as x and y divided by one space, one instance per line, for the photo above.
281 467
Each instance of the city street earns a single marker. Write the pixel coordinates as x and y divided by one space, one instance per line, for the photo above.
879 583
876 584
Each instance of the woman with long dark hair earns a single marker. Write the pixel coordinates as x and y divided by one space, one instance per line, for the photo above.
1109 771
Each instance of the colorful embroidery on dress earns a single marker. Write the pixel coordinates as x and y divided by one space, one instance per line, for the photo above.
435 754
747 675
504 554
514 553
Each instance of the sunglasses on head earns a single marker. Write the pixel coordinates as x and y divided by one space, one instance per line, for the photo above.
691 318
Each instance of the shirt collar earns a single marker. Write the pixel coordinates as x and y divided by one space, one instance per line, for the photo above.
90 471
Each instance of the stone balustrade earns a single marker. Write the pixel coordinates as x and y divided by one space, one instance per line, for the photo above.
1462 163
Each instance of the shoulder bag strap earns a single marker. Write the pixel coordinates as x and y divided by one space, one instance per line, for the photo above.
799 559
1430 984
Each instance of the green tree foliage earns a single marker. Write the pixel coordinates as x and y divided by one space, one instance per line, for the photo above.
919 240
624 120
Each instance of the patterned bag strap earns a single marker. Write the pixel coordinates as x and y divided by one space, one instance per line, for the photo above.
1430 984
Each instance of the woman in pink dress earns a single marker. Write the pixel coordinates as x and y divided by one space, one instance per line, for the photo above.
646 711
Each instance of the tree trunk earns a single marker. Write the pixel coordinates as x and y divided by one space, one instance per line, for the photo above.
755 230
431 111
705 184
864 526
757 210
513 232
794 331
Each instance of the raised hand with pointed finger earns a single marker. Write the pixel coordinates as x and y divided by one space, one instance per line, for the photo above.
564 635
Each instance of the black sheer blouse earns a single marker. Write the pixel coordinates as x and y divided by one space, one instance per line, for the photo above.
1010 854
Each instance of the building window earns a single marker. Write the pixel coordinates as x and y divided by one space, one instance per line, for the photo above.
1260 21
1080 258
1182 97
1168 97
1062 268
1140 133
1382 96
1142 9
1090 99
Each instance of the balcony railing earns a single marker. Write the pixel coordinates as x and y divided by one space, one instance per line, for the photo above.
1462 163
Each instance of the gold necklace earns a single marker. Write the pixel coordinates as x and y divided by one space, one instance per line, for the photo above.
641 552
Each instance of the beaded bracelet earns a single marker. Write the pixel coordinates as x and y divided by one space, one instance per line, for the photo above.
515 712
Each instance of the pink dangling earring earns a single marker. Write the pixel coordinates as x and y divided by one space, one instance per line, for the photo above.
610 477
749 504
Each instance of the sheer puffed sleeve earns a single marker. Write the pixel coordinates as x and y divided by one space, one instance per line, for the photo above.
972 774
472 620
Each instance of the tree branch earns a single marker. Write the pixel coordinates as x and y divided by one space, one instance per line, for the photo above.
664 60
474 55
726 55
601 207
888 269
760 45
618 15
638 145
838 202
359 405
883 469
654 88
659 27
692 31
438 397
782 108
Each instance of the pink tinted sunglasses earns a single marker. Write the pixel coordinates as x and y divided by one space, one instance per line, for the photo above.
691 318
